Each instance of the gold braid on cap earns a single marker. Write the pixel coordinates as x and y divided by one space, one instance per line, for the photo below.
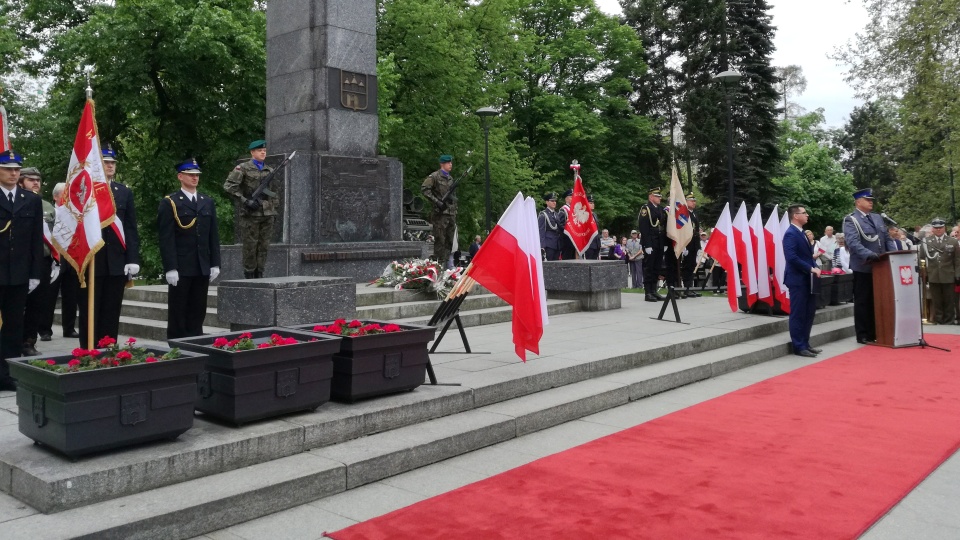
177 216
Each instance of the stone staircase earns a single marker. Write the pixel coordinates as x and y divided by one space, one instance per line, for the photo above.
144 312
214 476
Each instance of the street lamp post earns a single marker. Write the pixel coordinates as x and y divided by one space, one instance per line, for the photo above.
485 113
728 78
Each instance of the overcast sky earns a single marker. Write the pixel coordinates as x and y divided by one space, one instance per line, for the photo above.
806 31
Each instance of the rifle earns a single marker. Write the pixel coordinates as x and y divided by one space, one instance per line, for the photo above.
453 187
253 201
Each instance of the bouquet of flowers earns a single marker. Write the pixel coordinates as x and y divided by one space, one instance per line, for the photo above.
112 355
356 328
419 275
244 342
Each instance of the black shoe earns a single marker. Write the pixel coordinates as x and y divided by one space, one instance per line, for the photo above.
249 275
865 340
650 298
806 353
6 383
257 274
659 297
71 334
694 294
30 350
46 337
815 350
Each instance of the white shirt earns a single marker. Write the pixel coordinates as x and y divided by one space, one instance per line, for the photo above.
7 192
191 196
829 244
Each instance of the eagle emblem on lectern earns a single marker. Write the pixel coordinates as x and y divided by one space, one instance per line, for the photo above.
906 275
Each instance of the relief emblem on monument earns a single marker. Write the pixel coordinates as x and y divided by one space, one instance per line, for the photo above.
353 90
354 201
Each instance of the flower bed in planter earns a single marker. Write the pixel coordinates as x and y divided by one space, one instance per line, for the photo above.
375 364
263 381
87 410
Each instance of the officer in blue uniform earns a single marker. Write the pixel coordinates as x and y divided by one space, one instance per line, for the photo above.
568 251
652 224
190 250
866 238
551 225
21 257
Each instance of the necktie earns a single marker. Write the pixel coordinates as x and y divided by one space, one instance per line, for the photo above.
10 197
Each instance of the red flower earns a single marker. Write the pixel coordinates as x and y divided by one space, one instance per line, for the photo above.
78 352
124 355
150 360
392 328
53 362
314 339
319 328
93 352
355 324
264 345
73 363
220 342
116 363
289 341
131 341
246 335
335 329
105 361
105 342
340 322
233 342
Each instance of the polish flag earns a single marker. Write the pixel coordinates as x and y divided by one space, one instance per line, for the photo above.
781 270
776 262
721 248
760 253
509 266
745 255
580 227
88 202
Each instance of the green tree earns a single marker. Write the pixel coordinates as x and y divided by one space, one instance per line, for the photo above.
870 140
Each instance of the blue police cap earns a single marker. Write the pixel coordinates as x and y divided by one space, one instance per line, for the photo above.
550 196
189 166
108 153
10 160
568 193
865 193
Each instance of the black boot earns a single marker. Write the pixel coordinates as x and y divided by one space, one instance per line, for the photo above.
29 349
257 274
249 275
649 298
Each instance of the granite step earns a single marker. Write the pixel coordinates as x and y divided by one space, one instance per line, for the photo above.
150 328
484 316
425 308
216 501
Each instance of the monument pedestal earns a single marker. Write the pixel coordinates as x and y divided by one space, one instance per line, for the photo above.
595 284
359 261
285 301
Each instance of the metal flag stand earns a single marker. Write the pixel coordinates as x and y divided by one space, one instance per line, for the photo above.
671 299
447 313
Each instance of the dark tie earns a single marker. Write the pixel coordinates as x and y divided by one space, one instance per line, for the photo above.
10 197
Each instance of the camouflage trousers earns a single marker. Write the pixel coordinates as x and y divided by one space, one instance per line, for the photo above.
444 226
255 232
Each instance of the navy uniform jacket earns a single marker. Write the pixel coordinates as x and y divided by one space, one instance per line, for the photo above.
112 257
796 251
652 224
858 245
190 249
551 223
21 244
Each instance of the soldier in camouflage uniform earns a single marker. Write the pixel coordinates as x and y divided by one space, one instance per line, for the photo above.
942 253
444 216
256 222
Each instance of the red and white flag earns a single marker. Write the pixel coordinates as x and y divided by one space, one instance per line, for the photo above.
4 131
745 255
721 248
679 225
776 263
509 266
580 227
88 202
782 263
760 253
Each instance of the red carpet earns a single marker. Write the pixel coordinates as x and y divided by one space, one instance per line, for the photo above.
821 452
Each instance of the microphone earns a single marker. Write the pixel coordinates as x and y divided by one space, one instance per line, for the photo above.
889 219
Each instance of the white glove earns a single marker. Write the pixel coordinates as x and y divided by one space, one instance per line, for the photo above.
33 283
648 251
173 277
684 252
131 270
54 271
214 272
665 248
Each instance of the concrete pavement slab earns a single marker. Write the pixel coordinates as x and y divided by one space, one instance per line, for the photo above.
304 522
368 501
434 479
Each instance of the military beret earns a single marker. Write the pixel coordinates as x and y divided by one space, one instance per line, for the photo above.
654 191
550 196
568 193
189 166
259 143
10 160
590 198
446 158
692 197
108 153
865 193
30 172
937 222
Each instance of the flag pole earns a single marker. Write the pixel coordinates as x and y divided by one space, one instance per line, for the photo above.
91 344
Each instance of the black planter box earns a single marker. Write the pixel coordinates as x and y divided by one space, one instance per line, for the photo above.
379 364
91 411
243 386
758 307
842 291
827 285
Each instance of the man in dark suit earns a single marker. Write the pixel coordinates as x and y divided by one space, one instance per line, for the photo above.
21 257
117 262
652 224
866 238
797 278
190 249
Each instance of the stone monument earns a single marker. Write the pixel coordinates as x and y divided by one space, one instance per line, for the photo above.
342 205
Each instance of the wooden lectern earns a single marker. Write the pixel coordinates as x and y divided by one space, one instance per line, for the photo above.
896 299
